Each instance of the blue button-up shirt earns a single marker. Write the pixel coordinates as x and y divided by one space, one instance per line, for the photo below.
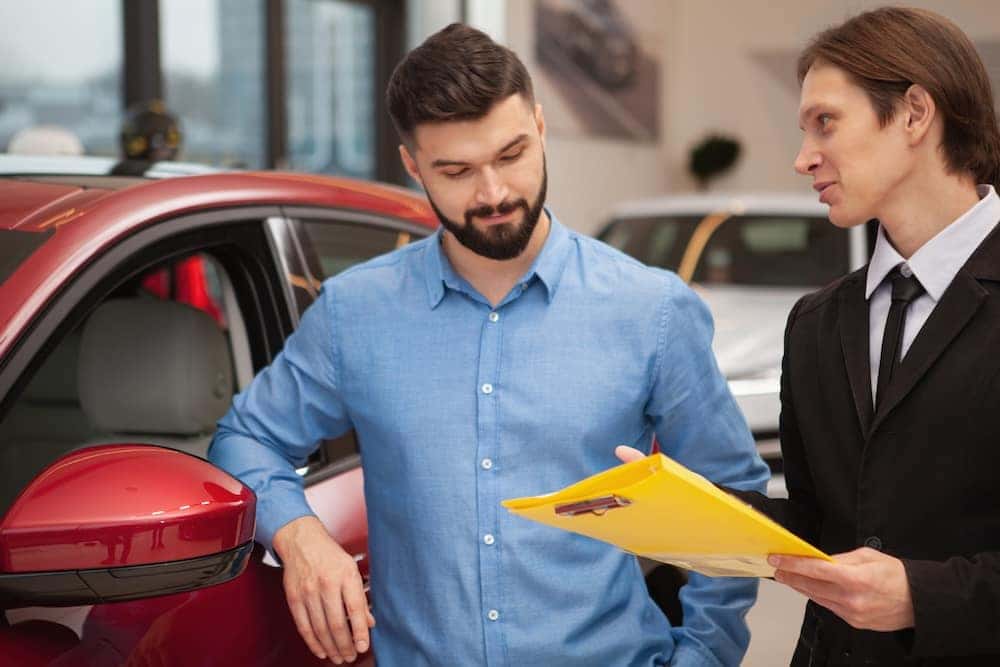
458 405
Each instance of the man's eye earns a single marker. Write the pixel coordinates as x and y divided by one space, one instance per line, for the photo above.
456 174
510 157
824 119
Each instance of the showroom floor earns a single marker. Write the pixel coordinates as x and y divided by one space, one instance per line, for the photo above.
774 625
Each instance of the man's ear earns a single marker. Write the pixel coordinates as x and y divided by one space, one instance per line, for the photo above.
920 112
410 164
540 123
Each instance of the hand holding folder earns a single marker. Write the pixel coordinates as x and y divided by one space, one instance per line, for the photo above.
658 509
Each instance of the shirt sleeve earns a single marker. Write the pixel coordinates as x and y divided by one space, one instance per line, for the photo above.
698 423
281 418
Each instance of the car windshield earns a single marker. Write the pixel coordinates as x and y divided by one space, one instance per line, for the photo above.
15 247
723 249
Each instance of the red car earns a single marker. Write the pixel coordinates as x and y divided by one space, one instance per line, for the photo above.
131 310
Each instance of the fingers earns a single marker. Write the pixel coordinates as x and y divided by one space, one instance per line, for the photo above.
814 568
628 454
860 556
337 627
322 617
304 626
334 623
356 606
811 588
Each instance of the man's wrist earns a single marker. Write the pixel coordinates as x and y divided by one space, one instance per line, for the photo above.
291 531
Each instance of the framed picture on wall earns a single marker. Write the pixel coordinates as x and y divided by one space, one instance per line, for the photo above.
594 68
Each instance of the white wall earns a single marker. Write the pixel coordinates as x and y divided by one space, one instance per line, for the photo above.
720 62
716 83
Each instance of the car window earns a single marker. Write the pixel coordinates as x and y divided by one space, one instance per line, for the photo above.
340 245
778 251
154 362
656 241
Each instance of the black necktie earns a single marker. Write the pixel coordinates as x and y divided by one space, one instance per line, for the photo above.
904 290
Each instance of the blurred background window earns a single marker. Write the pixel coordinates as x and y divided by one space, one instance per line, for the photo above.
61 76
330 47
213 79
257 84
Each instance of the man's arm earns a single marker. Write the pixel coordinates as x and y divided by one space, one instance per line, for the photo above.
271 429
698 423
956 605
950 605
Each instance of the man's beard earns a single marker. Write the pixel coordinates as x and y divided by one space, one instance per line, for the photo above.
505 240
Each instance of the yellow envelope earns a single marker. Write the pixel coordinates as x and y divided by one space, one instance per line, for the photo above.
658 509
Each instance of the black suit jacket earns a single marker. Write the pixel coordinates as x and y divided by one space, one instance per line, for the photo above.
919 479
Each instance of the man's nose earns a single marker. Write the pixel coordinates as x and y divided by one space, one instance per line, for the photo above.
491 188
808 158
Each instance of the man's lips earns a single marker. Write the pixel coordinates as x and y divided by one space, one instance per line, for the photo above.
497 218
823 188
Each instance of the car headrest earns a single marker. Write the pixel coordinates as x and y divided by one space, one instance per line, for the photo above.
151 366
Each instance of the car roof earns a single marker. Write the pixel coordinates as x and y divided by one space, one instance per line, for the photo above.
779 203
82 216
37 193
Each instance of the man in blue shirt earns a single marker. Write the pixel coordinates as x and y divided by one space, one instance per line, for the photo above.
503 356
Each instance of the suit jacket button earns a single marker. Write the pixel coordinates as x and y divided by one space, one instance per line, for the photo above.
874 543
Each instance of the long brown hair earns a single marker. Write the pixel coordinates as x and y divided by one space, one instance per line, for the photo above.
889 49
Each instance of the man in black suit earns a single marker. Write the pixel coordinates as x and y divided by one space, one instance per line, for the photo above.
890 389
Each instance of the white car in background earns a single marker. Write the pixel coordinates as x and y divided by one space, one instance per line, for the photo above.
750 257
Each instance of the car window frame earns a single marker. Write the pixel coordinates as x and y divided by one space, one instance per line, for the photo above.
252 268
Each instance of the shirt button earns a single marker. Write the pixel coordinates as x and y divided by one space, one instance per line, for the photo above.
874 542
487 388
487 464
493 614
905 270
494 317
489 540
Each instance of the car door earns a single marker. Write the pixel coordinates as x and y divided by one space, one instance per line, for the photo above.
243 305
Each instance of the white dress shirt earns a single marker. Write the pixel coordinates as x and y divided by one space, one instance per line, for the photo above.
935 265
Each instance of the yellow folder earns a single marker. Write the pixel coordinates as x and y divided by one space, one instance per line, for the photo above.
658 509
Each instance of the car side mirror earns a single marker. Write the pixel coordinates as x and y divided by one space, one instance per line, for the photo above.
121 522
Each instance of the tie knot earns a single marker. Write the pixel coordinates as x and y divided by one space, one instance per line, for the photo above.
905 288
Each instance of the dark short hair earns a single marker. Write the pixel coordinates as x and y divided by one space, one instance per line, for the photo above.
887 50
458 73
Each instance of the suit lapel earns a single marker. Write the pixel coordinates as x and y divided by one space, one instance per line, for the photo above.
854 343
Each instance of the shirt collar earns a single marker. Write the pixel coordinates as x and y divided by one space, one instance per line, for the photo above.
548 265
936 263
551 261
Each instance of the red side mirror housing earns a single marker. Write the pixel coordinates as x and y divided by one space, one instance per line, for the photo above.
120 522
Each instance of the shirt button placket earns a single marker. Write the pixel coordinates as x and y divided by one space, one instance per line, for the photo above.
489 395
